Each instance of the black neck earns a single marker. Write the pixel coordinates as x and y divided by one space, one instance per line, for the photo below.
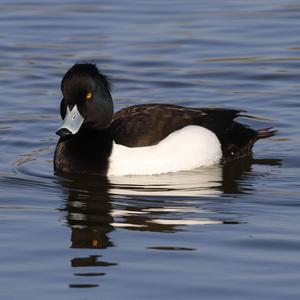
87 152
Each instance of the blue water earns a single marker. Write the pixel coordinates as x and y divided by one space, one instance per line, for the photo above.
213 233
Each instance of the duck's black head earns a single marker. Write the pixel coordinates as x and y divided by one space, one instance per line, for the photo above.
86 102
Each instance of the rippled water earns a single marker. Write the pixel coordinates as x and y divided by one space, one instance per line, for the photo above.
214 233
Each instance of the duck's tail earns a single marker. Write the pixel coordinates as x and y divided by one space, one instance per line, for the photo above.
265 133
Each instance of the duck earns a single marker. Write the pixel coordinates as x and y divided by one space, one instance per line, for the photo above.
143 139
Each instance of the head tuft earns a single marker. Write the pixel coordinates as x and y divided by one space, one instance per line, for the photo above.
86 69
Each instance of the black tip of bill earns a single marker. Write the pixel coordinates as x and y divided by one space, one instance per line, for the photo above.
63 132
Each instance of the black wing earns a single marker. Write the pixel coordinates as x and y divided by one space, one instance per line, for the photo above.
146 125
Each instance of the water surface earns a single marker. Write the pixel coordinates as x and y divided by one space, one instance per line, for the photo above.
213 233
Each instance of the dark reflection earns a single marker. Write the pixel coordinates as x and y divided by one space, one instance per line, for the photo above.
88 208
150 203
166 248
236 174
89 274
91 261
95 206
83 285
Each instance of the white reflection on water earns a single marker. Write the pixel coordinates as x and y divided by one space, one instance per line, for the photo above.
187 222
200 182
204 181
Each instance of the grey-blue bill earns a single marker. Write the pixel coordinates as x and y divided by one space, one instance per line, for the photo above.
72 122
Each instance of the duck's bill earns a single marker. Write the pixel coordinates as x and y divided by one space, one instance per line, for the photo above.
72 122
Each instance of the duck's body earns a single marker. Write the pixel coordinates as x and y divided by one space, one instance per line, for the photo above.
142 139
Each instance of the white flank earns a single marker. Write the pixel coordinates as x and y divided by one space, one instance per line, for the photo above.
188 148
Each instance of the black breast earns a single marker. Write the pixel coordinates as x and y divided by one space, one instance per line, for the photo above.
87 152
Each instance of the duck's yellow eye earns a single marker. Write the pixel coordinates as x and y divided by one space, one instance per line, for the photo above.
88 96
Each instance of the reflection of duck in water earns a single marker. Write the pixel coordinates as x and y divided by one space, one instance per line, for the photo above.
95 206
141 139
208 181
88 212
237 175
92 211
